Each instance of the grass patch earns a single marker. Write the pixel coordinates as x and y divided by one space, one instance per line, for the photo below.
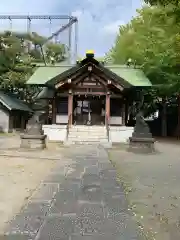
8 134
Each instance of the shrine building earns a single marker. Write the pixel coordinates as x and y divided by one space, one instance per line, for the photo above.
88 96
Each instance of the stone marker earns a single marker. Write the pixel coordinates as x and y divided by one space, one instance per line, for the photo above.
141 140
33 137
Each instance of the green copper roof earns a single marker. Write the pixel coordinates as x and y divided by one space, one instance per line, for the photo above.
12 103
46 93
133 76
46 73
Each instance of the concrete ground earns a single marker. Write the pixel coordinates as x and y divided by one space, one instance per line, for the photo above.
81 193
152 186
18 179
80 201
21 174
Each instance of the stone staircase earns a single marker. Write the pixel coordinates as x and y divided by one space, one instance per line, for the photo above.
88 135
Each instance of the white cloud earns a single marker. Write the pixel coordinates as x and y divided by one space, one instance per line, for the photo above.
98 19
27 7
113 27
32 7
77 13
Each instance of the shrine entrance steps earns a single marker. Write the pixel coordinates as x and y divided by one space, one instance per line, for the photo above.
88 135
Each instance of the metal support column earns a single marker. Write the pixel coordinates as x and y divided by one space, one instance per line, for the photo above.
29 31
69 42
76 41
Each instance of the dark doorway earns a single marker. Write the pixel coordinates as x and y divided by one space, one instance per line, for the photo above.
89 110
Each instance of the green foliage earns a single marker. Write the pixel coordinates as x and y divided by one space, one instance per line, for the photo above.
57 51
18 53
152 40
162 2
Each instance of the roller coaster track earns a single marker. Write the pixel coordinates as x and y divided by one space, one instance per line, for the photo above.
72 20
64 27
29 18
34 17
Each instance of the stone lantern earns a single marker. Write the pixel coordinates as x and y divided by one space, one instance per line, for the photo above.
33 137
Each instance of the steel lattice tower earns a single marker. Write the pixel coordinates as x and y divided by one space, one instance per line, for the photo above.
71 25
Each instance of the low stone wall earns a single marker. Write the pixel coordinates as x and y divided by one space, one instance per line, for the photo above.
55 132
120 134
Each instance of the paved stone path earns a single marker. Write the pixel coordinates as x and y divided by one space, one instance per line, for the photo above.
83 201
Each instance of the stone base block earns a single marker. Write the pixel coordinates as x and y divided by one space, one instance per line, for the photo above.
34 142
141 145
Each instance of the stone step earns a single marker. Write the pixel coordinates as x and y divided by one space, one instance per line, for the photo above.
83 140
88 131
86 142
104 144
83 126
88 127
88 139
87 135
81 143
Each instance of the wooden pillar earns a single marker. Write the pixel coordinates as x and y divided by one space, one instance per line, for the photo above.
47 113
108 107
70 107
22 122
123 114
53 111
126 112
11 122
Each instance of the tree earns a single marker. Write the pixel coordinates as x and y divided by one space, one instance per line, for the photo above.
152 40
173 6
162 2
57 51
18 54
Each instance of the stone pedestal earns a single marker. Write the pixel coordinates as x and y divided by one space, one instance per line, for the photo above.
34 137
141 140
141 145
35 142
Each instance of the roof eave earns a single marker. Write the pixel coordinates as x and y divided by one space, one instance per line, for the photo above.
114 76
67 74
22 110
5 105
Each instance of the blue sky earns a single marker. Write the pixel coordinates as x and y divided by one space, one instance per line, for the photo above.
98 19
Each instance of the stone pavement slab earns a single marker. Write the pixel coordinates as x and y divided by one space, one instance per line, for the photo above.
85 202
